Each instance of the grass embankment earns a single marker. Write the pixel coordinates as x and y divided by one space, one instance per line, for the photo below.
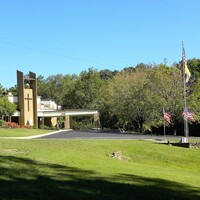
83 169
21 132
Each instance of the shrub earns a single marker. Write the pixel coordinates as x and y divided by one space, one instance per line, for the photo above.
12 125
35 126
81 125
45 127
2 123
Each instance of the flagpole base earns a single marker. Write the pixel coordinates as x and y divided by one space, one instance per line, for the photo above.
184 140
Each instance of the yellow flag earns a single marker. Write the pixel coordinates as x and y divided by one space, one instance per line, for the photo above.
186 70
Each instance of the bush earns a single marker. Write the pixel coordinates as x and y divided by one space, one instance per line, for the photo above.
45 127
81 125
2 123
27 126
12 125
35 126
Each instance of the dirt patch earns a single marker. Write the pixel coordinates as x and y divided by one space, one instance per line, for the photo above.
119 156
13 151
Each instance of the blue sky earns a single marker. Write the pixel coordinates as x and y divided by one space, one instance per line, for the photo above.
52 37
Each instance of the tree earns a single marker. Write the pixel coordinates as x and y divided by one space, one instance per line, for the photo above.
106 74
86 91
2 90
193 99
168 84
133 100
194 67
6 107
41 87
13 90
55 87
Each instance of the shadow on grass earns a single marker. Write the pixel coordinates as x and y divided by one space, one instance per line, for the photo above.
22 178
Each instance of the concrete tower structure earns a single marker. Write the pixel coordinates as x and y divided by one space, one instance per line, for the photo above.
27 98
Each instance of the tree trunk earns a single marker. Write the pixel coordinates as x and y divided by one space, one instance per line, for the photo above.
174 128
141 127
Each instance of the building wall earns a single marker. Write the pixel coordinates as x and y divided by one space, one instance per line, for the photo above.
38 102
28 107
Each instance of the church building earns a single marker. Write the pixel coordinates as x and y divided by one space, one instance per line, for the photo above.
32 110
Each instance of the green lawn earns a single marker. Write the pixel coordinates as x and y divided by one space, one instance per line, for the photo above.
83 169
21 132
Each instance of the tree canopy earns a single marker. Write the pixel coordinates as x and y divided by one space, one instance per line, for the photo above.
133 97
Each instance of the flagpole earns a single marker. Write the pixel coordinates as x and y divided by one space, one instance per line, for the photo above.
164 123
186 130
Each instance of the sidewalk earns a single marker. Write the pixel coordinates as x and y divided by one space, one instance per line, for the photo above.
35 136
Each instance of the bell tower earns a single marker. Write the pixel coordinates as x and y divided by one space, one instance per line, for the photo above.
27 98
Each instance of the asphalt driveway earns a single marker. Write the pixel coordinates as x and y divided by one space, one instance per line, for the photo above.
96 134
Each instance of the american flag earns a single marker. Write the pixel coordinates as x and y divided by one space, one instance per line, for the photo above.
189 115
167 117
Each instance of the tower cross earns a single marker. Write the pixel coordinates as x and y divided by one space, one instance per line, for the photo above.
28 98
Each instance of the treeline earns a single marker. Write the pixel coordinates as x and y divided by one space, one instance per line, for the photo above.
132 98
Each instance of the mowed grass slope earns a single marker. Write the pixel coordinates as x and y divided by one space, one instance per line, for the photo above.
84 169
21 132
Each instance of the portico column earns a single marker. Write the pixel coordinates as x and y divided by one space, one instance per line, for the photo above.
43 119
67 122
96 121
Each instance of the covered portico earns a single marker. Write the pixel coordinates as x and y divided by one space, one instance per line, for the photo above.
47 117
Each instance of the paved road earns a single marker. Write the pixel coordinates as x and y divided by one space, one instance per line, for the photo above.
95 134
